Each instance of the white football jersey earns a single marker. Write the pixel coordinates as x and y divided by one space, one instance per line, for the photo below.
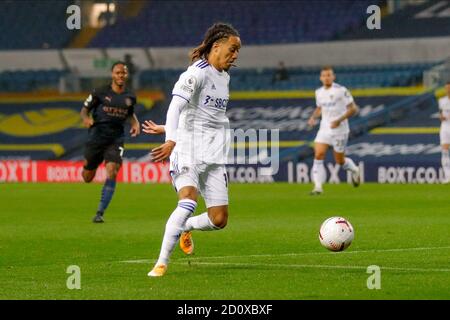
333 103
444 106
203 134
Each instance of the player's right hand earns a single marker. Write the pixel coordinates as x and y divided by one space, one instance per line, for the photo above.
163 151
88 122
152 128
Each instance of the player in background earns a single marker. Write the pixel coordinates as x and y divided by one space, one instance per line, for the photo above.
335 105
105 112
444 133
197 141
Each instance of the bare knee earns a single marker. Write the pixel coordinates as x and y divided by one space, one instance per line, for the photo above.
188 193
320 150
88 175
218 216
220 221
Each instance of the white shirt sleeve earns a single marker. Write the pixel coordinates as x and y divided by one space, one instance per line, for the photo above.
347 96
188 83
317 99
173 115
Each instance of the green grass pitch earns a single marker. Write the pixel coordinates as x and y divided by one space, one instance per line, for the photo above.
269 250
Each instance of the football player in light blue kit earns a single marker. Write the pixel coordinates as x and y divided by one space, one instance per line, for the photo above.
197 141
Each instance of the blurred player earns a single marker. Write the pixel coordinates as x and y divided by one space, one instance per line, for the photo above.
197 141
335 104
110 107
444 115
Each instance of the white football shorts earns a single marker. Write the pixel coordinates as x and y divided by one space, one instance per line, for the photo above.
211 180
337 141
444 135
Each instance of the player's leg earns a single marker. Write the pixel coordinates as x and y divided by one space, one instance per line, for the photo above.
109 187
214 219
88 175
214 189
444 136
339 144
318 169
113 160
348 165
186 183
445 161
321 144
93 157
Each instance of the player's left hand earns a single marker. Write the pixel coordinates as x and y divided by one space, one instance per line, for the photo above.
163 151
135 129
335 124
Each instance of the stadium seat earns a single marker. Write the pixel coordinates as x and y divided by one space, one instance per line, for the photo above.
306 77
297 22
27 28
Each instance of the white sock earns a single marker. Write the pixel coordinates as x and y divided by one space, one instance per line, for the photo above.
445 160
174 228
318 173
200 222
350 165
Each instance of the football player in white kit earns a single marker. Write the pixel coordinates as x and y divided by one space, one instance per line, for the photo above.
444 134
197 141
335 104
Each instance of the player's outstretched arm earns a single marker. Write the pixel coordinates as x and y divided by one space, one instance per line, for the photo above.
152 128
87 120
135 126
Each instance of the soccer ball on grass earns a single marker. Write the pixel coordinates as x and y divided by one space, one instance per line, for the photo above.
336 234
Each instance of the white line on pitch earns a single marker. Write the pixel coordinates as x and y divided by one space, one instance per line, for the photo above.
137 261
317 253
296 254
314 266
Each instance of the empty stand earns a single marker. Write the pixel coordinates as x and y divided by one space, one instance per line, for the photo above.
183 23
430 19
30 24
29 80
396 75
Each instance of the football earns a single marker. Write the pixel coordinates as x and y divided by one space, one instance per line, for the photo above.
336 234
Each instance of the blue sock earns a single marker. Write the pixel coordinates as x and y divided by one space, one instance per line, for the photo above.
107 194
